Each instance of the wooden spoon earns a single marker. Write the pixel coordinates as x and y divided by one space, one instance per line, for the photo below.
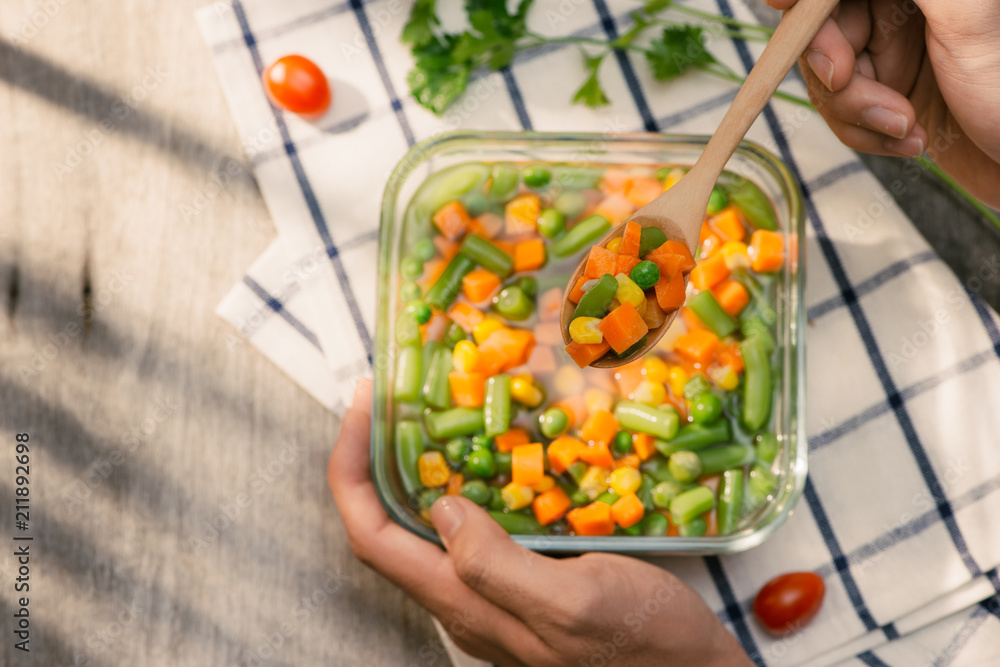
679 211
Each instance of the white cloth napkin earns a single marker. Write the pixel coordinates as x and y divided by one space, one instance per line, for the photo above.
900 511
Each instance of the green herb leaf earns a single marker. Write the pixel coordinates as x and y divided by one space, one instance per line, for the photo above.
590 93
679 49
437 77
656 6
419 29
494 34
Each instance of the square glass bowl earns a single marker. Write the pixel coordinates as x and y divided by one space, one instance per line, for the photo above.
751 162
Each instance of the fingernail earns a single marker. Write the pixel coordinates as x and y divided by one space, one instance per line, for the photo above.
908 147
886 121
447 516
822 66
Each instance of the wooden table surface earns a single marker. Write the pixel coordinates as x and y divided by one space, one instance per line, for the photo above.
179 506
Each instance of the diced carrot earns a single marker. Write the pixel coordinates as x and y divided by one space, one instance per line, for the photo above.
506 246
598 454
479 285
521 214
584 354
454 486
505 442
729 354
504 349
669 263
623 327
575 408
678 248
527 464
541 360
466 316
434 328
627 511
562 452
614 181
600 427
577 292
448 249
599 261
551 505
616 208
529 255
487 225
670 291
628 377
624 264
467 389
548 333
550 304
592 520
728 224
630 239
709 241
642 190
452 220
628 461
766 251
709 272
711 523
432 271
691 320
697 346
642 443
732 296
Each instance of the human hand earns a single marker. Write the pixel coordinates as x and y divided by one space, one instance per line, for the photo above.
503 603
901 77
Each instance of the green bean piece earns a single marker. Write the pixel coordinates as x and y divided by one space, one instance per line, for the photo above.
528 285
551 223
571 204
691 504
596 301
577 470
628 352
756 384
661 173
536 176
424 250
645 274
706 408
487 255
657 468
716 201
760 301
685 466
440 188
635 530
697 527
623 442
754 205
496 405
407 329
650 238
578 178
496 499
760 484
437 390
755 327
481 463
518 524
694 437
407 381
655 525
476 491
409 447
453 423
409 291
502 460
453 334
698 384
455 451
446 289
766 447
513 303
584 233
723 457
578 497
664 493
411 268
659 422
475 203
645 492
708 310
506 176
609 497
730 500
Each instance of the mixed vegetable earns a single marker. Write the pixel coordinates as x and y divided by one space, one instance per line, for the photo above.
488 404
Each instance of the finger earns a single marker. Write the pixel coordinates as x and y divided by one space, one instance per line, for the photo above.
873 105
780 4
855 22
897 43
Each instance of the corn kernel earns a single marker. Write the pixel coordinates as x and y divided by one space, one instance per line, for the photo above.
614 244
568 380
736 255
629 292
594 482
524 390
674 175
724 376
655 369
677 377
516 497
650 393
583 330
465 357
433 469
625 480
545 485
483 330
597 400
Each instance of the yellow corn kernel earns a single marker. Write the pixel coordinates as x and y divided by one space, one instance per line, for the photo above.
735 254
655 369
625 480
650 393
568 380
594 482
724 376
597 400
674 175
629 292
516 496
483 330
433 469
677 377
544 485
614 244
465 357
524 390
583 330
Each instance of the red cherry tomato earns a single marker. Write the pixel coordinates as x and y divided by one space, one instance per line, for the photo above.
296 84
788 602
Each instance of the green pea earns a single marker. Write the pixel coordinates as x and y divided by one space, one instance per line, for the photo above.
645 274
623 442
427 498
420 310
481 464
528 285
407 328
424 250
513 303
706 408
695 528
476 203
536 176
571 204
476 491
502 460
695 386
480 442
553 422
452 335
664 492
551 223
579 498
655 525
455 451
634 530
496 500
717 201
411 268
409 291
685 466
505 179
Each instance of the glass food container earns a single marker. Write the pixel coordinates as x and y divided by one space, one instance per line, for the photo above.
751 162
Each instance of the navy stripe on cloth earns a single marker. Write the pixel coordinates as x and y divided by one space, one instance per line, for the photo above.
837 174
608 23
871 659
863 326
732 608
279 308
987 319
516 98
307 192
